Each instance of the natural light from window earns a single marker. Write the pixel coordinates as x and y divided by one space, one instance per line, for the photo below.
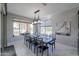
20 27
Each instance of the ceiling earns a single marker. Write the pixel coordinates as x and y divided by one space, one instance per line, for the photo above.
28 9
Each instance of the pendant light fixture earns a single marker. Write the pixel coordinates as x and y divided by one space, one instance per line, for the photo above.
36 19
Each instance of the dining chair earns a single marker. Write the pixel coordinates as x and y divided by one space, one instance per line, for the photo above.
52 43
42 47
34 43
30 42
26 39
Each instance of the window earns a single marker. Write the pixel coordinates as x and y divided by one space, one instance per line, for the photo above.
16 28
46 30
43 30
31 29
23 27
20 27
46 27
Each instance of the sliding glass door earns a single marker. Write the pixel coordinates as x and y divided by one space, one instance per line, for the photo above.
20 27
16 28
23 27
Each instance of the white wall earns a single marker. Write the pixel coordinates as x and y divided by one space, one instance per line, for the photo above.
70 15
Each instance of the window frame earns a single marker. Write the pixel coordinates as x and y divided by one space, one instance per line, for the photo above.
19 27
45 21
46 30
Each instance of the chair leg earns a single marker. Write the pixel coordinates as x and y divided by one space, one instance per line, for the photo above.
29 45
42 53
26 43
47 52
34 49
52 48
37 51
40 50
54 45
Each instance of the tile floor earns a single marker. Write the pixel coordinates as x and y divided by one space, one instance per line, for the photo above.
60 50
8 51
21 49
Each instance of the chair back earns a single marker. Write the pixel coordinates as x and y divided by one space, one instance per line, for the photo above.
40 42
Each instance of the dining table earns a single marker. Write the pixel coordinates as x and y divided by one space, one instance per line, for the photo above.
45 39
35 41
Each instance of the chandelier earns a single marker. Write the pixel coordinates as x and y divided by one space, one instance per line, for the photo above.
36 19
